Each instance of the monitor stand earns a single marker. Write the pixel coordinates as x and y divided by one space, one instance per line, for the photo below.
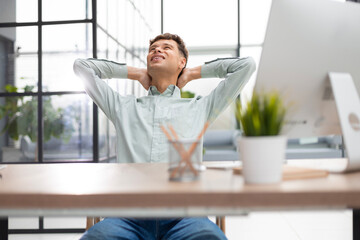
348 107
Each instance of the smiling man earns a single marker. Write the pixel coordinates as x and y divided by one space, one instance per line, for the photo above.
137 121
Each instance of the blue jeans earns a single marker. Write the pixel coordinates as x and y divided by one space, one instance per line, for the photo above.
154 229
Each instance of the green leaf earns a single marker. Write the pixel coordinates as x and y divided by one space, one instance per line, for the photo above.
263 115
10 88
187 94
28 88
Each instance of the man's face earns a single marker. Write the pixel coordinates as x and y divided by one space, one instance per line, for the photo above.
164 55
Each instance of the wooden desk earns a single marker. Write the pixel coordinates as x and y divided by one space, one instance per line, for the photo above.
143 190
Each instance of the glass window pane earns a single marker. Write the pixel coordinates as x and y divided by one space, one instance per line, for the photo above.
254 52
254 15
59 54
79 37
216 21
122 22
113 18
138 23
130 13
18 121
58 74
203 87
102 44
68 134
153 17
113 50
66 10
102 15
19 11
121 55
18 59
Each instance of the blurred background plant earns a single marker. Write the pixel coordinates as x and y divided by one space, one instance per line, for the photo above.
187 94
21 113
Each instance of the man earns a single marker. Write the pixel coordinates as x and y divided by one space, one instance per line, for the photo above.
138 122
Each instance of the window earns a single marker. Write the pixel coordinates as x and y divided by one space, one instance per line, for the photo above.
37 83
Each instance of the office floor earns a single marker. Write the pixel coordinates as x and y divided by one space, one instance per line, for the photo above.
299 225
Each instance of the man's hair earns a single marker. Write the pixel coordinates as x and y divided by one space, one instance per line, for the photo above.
178 40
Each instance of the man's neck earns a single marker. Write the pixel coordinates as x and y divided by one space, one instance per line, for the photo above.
162 82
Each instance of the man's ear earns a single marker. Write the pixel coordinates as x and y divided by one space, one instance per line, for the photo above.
182 63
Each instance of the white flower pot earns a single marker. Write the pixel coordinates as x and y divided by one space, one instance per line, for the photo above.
262 158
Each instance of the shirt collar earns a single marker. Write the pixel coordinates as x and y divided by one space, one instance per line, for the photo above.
171 91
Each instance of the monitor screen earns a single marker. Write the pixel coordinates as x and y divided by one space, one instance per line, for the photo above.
305 40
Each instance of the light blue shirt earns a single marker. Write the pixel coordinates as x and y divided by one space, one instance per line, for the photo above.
137 120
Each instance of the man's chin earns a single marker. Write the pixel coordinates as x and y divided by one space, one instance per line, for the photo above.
157 63
160 60
156 67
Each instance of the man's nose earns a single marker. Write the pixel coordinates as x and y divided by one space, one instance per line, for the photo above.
158 50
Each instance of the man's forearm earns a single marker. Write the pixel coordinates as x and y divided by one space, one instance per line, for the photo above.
188 75
104 69
139 74
195 73
135 73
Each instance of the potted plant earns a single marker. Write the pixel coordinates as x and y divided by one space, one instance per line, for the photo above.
21 114
262 148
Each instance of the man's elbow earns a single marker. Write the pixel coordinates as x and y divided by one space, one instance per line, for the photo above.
79 65
245 65
80 62
250 64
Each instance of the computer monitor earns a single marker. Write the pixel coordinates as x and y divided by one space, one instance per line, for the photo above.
305 41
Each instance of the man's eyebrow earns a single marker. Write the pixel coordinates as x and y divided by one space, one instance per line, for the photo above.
168 44
165 44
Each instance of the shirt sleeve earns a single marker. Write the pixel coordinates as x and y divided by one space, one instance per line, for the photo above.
236 71
92 71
